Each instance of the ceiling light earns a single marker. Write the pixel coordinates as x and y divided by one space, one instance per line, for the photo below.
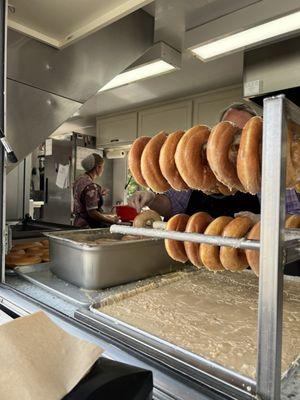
143 72
159 60
247 38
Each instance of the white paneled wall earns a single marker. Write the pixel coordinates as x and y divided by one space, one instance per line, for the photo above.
204 108
208 107
168 117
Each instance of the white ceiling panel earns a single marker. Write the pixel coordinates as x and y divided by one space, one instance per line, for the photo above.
60 22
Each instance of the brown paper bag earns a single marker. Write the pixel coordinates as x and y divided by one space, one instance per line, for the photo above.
40 361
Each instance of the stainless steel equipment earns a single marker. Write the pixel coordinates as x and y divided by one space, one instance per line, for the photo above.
40 275
273 68
276 248
46 86
96 266
58 202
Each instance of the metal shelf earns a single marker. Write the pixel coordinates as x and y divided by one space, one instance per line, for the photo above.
277 246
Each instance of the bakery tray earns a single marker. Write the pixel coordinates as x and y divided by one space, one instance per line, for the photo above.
40 275
199 368
78 259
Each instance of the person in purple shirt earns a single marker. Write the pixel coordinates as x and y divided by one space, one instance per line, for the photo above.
191 201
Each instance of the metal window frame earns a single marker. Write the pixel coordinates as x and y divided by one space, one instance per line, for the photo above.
273 253
3 35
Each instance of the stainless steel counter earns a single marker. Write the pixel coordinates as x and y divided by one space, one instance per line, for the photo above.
169 384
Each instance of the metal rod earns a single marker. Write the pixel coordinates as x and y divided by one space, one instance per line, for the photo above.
3 11
271 251
183 236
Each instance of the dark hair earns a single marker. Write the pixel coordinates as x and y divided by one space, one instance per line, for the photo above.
98 159
238 106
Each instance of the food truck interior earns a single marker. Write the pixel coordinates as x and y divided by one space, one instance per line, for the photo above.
95 77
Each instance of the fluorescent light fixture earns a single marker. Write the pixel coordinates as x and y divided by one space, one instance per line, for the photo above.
137 74
159 60
247 38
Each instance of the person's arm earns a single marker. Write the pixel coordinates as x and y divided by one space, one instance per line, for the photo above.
91 201
162 205
292 201
98 216
168 204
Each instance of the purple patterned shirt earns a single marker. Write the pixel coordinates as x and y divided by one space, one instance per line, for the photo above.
180 201
92 197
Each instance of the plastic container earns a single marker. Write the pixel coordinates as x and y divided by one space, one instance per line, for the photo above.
126 213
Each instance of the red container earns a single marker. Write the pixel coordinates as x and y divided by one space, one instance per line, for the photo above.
126 213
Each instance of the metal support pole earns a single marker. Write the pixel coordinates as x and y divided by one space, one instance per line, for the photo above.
271 249
184 236
2 129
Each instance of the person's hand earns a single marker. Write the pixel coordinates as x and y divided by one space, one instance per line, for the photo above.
104 191
254 217
140 199
114 219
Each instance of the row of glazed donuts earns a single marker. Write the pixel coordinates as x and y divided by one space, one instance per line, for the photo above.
219 160
28 253
213 257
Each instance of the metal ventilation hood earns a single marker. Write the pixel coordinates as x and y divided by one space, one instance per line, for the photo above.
273 69
46 86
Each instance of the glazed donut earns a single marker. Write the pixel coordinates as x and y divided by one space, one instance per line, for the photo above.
16 251
26 245
167 161
46 256
134 159
11 259
249 155
197 223
210 254
253 255
225 190
191 162
45 243
292 222
35 251
150 164
28 260
175 248
293 155
221 155
231 258
146 219
129 237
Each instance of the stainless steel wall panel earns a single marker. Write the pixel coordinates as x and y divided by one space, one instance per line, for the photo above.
80 70
32 115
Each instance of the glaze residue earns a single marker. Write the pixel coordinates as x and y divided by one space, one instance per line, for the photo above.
212 315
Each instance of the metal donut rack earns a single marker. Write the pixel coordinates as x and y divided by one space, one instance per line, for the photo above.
277 246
